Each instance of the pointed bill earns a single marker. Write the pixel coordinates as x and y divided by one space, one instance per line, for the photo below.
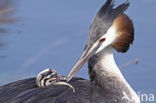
83 59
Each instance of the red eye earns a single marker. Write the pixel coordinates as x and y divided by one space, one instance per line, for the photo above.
102 40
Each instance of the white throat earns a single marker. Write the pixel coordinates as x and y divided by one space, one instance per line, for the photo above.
108 75
106 59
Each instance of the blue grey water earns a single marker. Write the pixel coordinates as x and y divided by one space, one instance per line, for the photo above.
52 34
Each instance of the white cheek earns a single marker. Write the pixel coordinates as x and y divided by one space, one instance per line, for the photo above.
109 36
101 48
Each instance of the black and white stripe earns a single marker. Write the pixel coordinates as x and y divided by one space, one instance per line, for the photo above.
49 77
46 77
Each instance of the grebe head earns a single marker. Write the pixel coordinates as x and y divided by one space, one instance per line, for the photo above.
110 27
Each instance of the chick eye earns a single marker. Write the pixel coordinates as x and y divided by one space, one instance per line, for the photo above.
52 80
102 40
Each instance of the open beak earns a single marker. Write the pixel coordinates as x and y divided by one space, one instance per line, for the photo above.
88 52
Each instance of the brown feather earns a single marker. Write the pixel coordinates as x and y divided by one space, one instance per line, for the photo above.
125 33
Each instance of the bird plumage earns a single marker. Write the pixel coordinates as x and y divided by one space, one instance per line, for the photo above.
26 91
125 33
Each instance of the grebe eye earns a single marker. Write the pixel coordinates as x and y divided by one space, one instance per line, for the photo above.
50 81
102 40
